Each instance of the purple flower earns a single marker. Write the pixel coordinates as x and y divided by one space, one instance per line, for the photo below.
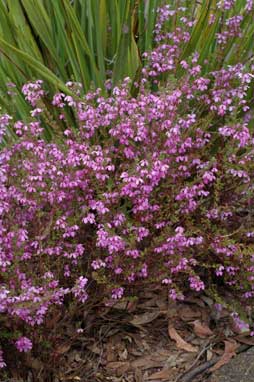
23 344
196 283
117 293
147 189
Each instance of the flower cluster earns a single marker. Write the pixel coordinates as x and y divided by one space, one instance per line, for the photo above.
152 189
232 29
226 4
33 92
23 344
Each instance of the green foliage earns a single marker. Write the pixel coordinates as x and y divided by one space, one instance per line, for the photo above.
90 41
62 40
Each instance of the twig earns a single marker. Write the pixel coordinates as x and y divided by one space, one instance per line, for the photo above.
203 350
233 233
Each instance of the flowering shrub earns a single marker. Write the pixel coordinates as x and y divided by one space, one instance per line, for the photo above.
152 189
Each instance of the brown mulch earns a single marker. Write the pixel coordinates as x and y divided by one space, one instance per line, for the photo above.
147 340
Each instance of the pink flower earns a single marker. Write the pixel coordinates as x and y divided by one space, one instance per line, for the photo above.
196 283
23 344
117 293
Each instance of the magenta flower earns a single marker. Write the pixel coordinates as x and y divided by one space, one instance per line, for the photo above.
156 188
23 344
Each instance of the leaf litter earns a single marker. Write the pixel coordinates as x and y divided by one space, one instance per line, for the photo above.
154 341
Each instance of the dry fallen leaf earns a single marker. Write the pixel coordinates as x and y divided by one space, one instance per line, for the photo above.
146 363
163 374
145 318
71 378
33 363
123 355
110 351
209 355
138 375
132 305
180 343
62 348
195 300
120 305
119 367
229 352
188 314
173 360
116 365
162 303
201 330
94 349
151 303
247 340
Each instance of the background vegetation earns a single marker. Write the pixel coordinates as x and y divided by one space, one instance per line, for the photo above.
90 41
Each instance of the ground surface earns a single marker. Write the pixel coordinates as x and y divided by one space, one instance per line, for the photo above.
149 340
